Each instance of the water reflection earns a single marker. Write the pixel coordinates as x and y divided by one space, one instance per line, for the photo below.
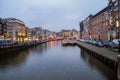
39 49
52 61
18 58
98 66
13 59
53 43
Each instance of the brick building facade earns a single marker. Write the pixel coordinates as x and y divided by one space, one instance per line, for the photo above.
105 25
99 25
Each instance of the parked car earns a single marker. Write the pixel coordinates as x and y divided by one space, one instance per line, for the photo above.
87 40
116 41
82 40
90 41
106 43
94 42
99 43
112 45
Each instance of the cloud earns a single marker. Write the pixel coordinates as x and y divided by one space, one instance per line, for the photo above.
51 14
71 16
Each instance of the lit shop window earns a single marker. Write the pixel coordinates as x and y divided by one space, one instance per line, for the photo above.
21 34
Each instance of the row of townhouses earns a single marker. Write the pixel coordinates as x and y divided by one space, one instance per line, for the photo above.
16 30
74 34
104 25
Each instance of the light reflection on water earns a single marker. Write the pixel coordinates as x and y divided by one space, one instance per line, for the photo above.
52 61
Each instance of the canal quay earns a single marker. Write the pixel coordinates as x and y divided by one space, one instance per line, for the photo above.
53 61
106 55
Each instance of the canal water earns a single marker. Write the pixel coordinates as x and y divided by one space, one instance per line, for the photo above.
52 61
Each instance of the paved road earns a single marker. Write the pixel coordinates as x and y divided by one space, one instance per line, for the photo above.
110 54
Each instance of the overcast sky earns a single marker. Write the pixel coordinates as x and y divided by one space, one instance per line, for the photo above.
51 14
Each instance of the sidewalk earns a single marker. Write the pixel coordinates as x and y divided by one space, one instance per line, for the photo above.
105 52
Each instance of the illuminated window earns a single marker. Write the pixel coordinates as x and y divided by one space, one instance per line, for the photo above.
117 23
111 20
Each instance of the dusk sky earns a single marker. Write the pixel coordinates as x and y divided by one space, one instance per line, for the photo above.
51 14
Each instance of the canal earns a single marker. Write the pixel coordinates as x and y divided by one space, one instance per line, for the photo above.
52 61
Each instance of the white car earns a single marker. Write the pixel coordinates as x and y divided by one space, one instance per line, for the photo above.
82 40
116 41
